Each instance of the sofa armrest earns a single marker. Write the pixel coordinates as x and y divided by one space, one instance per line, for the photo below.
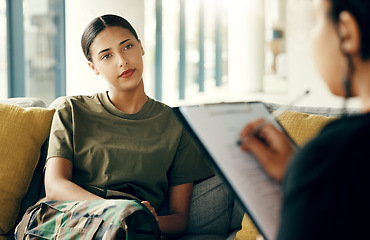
24 102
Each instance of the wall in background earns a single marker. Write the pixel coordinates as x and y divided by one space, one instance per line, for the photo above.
302 73
237 84
3 49
297 71
44 49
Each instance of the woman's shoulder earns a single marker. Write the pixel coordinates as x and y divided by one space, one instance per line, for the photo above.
82 99
165 113
159 104
73 100
342 141
347 130
159 108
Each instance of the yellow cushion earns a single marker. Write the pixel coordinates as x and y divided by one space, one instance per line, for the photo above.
301 128
22 133
248 231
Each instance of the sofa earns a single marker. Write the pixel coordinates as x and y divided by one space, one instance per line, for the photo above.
214 213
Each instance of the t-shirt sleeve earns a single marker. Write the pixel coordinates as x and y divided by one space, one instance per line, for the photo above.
189 164
61 136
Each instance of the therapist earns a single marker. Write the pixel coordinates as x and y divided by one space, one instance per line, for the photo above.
326 185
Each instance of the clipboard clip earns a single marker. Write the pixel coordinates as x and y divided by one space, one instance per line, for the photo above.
227 108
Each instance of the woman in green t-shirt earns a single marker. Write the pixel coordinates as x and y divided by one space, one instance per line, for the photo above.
104 141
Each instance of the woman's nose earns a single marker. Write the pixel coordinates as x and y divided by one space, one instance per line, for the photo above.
122 60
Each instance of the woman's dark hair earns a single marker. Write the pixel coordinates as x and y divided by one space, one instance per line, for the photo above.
97 25
360 9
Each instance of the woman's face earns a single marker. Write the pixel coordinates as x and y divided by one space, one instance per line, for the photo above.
325 45
117 56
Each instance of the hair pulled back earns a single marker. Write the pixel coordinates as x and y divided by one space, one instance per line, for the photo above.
97 25
360 9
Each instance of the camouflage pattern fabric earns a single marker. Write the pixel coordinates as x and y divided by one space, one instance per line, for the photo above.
97 219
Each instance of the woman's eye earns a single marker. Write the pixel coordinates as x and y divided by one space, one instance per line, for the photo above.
128 46
106 56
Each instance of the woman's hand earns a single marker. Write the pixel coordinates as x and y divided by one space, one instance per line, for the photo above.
270 146
151 209
175 223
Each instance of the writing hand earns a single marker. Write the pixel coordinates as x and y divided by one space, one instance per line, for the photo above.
270 146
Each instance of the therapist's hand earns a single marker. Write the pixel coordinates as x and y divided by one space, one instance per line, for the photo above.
270 146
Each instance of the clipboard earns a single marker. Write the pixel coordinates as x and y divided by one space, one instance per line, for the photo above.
216 128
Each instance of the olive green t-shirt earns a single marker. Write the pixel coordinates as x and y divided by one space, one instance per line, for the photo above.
142 153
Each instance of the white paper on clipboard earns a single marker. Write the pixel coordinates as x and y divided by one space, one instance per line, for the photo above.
217 127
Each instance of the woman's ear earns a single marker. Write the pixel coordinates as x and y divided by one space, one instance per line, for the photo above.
92 66
142 49
349 33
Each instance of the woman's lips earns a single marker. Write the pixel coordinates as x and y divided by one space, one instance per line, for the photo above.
128 73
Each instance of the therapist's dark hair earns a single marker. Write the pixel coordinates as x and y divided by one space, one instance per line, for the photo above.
97 25
360 9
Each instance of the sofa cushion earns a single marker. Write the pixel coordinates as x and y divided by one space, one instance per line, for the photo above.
211 208
35 190
22 133
301 127
248 232
202 237
237 215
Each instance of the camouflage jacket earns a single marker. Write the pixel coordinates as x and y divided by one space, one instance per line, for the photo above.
97 219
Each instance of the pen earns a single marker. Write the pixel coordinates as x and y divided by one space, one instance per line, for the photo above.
271 117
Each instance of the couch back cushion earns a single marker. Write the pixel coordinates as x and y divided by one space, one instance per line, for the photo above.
22 133
302 127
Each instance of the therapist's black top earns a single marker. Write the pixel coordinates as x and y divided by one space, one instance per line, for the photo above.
326 190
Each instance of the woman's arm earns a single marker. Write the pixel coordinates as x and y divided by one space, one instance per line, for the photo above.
176 222
58 184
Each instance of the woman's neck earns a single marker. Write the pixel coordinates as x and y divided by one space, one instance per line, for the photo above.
129 102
